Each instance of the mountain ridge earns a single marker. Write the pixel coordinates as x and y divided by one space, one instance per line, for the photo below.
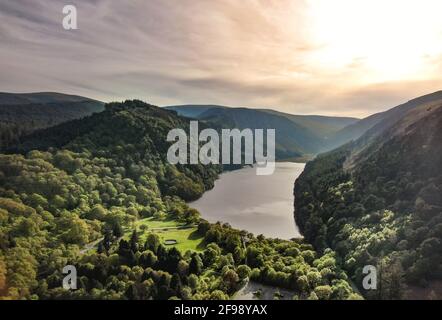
378 121
40 97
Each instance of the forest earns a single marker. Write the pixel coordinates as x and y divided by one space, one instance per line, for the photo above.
22 114
92 193
380 205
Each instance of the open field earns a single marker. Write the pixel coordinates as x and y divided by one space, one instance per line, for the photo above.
186 237
152 223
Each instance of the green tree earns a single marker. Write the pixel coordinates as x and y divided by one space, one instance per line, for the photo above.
196 265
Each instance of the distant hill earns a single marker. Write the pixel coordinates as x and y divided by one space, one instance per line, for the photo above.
193 111
377 200
39 97
297 137
323 126
378 122
337 131
21 114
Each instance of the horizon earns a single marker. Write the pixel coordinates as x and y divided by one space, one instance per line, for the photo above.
223 106
303 57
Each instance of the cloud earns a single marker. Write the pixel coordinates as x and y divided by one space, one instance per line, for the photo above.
255 53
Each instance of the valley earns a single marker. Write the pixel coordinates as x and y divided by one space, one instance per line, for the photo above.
107 177
298 137
220 150
99 193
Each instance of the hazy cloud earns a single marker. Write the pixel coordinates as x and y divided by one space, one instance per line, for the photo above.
255 53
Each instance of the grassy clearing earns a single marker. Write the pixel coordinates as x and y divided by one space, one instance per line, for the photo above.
151 223
187 238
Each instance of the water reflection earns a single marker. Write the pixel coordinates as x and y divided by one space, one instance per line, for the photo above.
258 204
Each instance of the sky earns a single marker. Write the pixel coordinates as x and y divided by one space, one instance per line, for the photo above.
340 57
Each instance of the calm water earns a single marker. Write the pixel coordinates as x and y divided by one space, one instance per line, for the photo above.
258 204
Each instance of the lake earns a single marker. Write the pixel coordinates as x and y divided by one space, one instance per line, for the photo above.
258 204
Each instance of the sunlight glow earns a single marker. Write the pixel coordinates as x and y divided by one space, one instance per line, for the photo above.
385 39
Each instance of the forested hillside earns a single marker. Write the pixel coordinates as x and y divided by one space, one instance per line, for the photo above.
21 114
378 202
98 194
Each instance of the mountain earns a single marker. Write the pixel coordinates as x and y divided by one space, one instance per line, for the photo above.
377 201
297 137
323 126
380 121
21 114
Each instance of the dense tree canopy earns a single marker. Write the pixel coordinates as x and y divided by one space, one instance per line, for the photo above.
73 195
381 206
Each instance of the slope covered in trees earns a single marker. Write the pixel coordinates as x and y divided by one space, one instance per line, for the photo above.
21 114
378 202
79 194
